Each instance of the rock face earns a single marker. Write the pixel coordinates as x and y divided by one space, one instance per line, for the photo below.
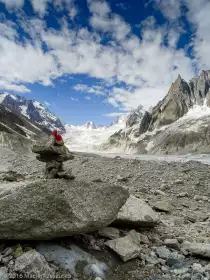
31 109
47 209
136 213
17 132
165 130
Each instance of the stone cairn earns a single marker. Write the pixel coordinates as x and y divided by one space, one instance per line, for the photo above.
54 156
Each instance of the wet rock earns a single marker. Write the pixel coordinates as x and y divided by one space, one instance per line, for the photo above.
33 264
127 247
136 213
109 232
200 249
4 274
46 209
172 243
163 252
163 206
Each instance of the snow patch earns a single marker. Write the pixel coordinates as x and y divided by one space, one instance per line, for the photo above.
69 259
81 138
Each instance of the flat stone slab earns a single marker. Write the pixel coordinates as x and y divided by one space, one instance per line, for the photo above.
136 213
47 209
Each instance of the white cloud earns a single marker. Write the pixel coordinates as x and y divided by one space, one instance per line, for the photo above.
10 4
98 90
171 9
199 16
40 6
12 86
47 103
74 99
146 67
103 20
114 114
87 97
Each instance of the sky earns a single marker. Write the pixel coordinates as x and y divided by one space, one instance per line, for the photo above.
93 59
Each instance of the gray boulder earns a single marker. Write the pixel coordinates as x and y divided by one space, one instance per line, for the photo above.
47 209
199 249
136 213
33 264
127 247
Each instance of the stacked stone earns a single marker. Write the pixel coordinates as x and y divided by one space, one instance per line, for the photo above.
54 156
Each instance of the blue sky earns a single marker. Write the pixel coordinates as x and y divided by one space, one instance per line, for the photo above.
94 59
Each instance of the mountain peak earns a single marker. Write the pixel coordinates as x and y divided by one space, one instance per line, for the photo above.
90 125
31 109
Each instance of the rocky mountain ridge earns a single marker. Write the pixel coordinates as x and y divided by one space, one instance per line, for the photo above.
33 110
177 124
17 132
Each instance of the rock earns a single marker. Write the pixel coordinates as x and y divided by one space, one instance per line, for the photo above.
122 178
182 270
171 262
46 209
163 252
200 249
172 243
7 251
160 192
66 175
18 251
182 194
198 197
198 268
97 180
198 276
3 273
205 198
144 239
6 260
109 232
33 264
13 177
163 206
98 278
179 182
136 213
127 247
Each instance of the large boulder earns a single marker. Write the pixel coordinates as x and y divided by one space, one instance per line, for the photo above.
136 213
46 209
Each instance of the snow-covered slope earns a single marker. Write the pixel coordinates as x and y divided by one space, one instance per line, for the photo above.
88 138
33 110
